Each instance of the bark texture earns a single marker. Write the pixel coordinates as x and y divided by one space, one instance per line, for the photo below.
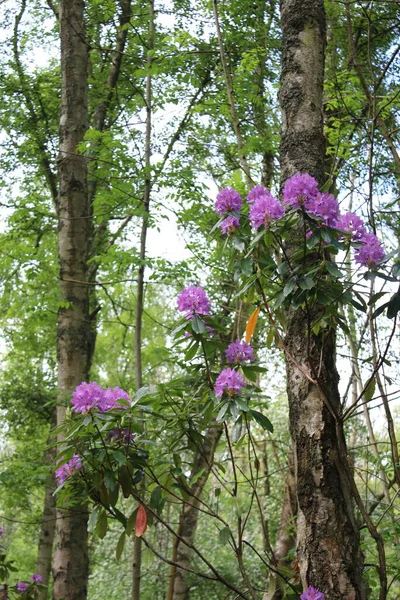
70 565
327 535
181 554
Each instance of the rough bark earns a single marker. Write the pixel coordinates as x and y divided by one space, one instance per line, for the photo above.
327 535
70 564
181 554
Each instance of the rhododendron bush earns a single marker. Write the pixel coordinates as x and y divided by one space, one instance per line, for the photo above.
106 449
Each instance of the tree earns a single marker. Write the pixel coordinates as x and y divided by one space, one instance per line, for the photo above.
70 570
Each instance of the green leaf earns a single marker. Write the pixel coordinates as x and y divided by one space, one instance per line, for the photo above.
131 522
222 411
198 325
155 497
290 286
393 306
369 392
143 391
120 545
109 480
262 420
241 405
191 351
333 269
249 373
306 283
224 535
101 526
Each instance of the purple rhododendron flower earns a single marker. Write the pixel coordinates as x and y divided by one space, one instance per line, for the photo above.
256 192
22 586
229 224
264 210
229 381
68 469
312 594
122 434
353 224
91 395
37 578
193 301
239 352
299 190
324 205
370 252
228 199
111 397
87 396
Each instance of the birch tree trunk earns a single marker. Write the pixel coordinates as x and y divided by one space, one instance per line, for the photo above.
327 535
70 564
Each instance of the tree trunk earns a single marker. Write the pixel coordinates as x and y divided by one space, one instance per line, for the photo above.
70 565
137 547
327 535
181 554
48 522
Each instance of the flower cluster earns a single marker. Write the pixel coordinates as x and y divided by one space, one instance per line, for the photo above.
229 381
22 586
351 223
89 396
239 352
300 190
370 252
229 225
122 434
193 301
256 192
68 469
312 594
228 200
265 209
325 206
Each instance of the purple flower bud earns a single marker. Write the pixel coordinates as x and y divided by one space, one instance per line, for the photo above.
193 301
312 594
37 578
22 586
228 199
68 469
239 352
229 225
229 381
122 434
